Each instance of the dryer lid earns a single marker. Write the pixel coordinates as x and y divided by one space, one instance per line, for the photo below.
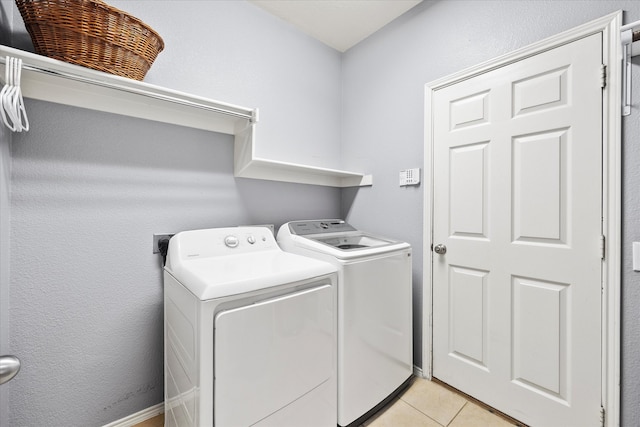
212 265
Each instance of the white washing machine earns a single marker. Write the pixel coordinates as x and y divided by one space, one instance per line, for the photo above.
375 338
250 332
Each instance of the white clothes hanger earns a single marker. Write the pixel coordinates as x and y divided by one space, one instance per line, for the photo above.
5 108
12 110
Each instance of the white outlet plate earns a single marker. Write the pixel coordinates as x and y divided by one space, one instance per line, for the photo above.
409 177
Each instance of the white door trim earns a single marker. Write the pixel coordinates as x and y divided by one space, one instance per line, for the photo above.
609 26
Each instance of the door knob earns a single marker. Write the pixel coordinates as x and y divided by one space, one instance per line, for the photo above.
440 249
9 367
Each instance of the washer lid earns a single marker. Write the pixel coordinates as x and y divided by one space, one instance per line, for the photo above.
336 238
319 226
212 265
353 240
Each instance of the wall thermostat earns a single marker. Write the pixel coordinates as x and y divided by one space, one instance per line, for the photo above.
409 177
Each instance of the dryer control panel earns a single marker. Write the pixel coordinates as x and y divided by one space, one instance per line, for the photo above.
234 240
214 242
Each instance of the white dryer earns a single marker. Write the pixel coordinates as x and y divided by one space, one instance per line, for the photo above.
375 337
250 332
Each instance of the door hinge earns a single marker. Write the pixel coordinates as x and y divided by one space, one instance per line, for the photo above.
603 76
602 416
603 246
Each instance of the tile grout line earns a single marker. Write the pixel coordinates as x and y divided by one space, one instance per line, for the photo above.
427 415
481 404
457 413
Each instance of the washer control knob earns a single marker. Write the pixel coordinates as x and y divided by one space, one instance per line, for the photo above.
231 241
251 239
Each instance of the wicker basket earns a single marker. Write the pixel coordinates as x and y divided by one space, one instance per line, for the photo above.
92 34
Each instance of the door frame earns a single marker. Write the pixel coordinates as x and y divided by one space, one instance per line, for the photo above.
609 26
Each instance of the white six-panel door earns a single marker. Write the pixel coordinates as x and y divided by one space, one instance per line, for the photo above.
517 202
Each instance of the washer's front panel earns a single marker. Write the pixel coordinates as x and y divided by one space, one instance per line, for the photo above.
375 340
267 355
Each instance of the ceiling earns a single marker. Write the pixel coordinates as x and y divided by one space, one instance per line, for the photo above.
339 24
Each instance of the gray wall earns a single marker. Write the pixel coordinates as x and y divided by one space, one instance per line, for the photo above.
383 124
4 262
6 16
5 34
88 192
236 52
631 279
89 189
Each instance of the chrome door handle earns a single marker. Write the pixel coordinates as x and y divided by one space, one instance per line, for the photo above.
9 367
440 249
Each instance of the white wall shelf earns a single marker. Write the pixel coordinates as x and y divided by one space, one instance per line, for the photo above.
56 81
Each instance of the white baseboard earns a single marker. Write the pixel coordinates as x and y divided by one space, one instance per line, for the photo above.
138 417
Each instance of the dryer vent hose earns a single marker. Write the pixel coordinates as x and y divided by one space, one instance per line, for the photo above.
163 247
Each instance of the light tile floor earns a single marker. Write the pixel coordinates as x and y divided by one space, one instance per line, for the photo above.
424 404
429 404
